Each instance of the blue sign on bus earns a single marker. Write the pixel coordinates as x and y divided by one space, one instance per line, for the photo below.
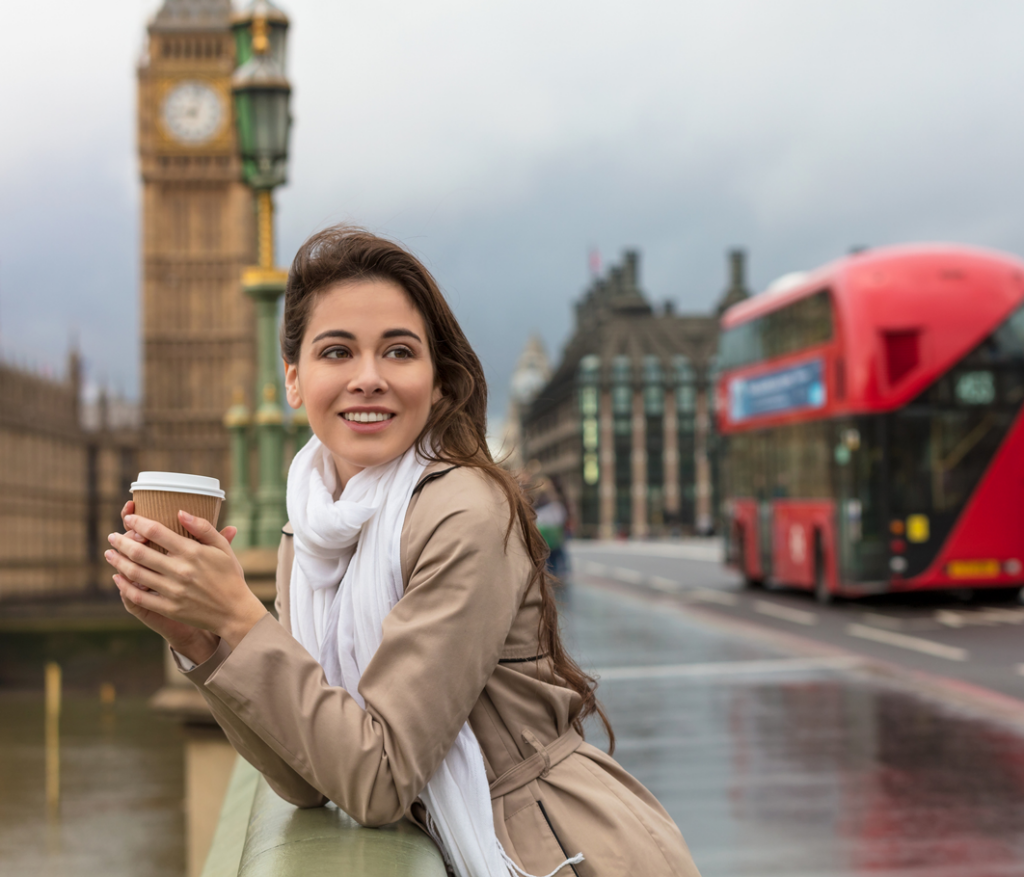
788 389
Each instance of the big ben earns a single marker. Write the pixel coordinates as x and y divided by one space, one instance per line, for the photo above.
198 231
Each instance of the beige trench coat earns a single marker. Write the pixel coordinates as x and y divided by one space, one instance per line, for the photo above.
461 644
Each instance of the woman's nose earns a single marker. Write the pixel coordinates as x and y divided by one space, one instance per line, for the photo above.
368 379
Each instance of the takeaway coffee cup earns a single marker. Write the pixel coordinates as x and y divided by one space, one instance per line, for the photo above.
159 496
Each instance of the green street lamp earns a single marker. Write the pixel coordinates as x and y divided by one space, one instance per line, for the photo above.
262 94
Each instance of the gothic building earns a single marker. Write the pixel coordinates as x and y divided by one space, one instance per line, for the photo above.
624 423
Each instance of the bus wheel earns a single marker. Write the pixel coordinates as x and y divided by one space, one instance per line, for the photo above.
821 590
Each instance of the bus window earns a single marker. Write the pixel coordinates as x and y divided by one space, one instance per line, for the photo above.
802 324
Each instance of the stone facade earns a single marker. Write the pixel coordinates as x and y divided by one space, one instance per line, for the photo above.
62 485
624 424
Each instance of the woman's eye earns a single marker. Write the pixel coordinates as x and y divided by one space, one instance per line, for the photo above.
335 353
399 353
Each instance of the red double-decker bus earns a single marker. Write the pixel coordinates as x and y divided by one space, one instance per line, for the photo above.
870 414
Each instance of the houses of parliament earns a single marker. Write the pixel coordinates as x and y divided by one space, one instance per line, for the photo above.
65 470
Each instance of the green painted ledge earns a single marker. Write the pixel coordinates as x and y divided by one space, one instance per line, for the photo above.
259 835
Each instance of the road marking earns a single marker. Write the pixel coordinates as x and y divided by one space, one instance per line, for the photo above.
664 584
914 643
594 569
730 668
986 616
706 595
628 575
886 621
797 616
1020 669
710 550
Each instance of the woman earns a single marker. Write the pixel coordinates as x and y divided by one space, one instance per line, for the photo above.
441 641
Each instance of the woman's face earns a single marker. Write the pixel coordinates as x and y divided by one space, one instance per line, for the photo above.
364 374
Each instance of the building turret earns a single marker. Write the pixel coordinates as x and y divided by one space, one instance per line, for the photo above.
737 289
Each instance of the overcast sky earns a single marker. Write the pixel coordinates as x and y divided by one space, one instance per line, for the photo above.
502 141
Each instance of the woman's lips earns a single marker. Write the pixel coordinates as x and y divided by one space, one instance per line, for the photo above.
367 428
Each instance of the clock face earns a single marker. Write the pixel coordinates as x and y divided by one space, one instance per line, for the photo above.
192 112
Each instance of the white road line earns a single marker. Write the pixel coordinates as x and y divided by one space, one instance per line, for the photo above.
914 643
594 569
1020 669
785 613
706 595
664 584
886 621
709 550
730 668
627 575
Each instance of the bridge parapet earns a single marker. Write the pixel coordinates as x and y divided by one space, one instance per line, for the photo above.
260 835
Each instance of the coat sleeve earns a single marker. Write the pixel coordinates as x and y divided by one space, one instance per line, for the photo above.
281 776
440 645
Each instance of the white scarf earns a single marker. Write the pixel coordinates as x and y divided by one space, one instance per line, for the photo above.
346 578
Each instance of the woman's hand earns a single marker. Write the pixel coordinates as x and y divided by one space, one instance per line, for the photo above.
193 594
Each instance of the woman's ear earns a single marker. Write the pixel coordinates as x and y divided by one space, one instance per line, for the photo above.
435 397
292 390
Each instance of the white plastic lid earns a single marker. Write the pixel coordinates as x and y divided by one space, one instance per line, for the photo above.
178 482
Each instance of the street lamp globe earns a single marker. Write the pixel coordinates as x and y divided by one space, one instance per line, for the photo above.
262 94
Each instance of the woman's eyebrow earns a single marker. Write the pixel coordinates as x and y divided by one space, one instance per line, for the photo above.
400 333
390 333
335 333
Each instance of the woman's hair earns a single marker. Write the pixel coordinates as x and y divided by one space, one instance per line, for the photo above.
457 424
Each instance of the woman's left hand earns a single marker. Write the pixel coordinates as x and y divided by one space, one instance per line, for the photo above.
197 583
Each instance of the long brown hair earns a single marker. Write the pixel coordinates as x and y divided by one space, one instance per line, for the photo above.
457 423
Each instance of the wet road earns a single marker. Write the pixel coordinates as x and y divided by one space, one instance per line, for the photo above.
979 643
775 764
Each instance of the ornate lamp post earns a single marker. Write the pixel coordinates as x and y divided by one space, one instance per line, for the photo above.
262 94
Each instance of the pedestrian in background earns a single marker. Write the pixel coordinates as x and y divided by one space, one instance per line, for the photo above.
416 667
552 521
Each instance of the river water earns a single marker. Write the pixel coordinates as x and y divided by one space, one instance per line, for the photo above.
121 766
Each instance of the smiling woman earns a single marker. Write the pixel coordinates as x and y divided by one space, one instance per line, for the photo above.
415 669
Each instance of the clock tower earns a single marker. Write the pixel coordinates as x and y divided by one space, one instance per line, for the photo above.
198 232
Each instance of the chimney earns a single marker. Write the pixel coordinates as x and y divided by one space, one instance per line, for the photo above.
737 289
737 269
632 270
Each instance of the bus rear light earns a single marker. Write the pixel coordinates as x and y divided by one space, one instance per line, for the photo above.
918 528
1012 567
898 564
896 527
897 546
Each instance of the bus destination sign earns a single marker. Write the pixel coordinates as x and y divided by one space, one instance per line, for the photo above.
787 389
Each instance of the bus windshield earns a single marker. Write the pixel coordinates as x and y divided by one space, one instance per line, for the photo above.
942 442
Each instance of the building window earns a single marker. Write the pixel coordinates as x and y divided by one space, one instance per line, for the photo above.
686 429
622 427
654 417
589 396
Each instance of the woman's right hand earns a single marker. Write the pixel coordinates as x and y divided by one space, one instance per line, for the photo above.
195 644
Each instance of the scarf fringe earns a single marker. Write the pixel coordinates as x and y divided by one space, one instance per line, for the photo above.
513 868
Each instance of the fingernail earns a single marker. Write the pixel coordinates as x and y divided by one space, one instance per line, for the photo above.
186 517
112 538
129 520
109 554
